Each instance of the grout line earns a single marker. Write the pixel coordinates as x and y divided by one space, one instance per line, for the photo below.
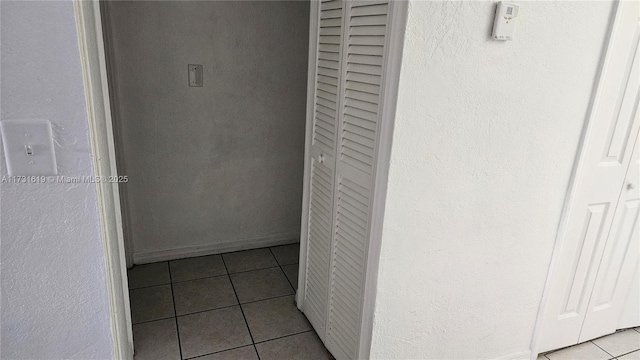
246 323
246 271
203 311
149 286
173 299
284 336
226 306
148 321
269 298
281 269
200 278
218 352
207 277
630 352
602 349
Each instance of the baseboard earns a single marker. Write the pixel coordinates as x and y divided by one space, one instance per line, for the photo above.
216 248
522 355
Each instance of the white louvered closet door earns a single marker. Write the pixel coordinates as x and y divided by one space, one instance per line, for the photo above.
350 58
358 127
322 164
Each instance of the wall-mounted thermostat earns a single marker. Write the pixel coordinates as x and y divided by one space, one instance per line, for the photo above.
505 21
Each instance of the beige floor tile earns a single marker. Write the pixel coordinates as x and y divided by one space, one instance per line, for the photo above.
291 271
287 254
270 319
620 342
631 356
302 346
156 340
203 294
197 268
243 353
212 331
585 351
261 284
148 275
249 260
151 303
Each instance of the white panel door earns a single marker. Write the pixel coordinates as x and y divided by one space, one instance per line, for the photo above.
322 164
620 259
363 57
594 211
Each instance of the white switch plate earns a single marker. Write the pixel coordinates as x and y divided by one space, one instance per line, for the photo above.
28 147
195 75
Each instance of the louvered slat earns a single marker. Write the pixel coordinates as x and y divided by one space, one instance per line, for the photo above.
362 87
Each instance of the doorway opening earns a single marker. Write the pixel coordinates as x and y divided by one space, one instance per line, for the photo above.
208 101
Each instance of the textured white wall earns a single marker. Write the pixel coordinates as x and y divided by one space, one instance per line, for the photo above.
484 142
216 165
54 293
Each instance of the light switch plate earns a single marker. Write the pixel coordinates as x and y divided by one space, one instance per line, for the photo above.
28 147
195 75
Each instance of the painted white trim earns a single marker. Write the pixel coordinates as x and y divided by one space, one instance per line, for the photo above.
389 94
572 189
217 248
120 159
314 14
92 57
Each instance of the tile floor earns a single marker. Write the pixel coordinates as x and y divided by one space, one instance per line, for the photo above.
237 305
621 345
240 305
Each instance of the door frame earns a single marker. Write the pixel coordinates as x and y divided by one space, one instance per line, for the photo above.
398 11
94 69
577 174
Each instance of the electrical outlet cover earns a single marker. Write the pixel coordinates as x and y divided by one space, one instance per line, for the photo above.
28 147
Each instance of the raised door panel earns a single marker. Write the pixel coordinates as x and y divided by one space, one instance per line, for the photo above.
630 316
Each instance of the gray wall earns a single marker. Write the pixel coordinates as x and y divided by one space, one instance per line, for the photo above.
55 303
220 166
